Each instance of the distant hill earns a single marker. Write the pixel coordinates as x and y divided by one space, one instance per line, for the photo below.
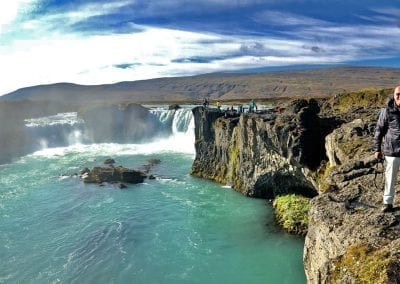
278 84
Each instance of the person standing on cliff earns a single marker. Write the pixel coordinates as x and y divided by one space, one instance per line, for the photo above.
388 129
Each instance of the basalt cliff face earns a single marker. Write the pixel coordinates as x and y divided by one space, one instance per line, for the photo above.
260 155
327 157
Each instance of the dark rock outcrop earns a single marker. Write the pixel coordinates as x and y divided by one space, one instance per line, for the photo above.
260 155
174 107
112 175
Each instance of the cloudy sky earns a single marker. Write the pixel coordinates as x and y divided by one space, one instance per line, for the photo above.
99 41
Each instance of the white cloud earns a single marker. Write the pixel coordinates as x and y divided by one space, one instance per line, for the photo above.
40 52
9 10
286 19
152 53
394 12
86 11
59 21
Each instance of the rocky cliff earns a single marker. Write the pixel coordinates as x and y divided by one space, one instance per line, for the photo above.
328 156
349 239
260 154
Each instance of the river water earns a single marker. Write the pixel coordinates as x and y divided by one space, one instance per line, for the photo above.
174 229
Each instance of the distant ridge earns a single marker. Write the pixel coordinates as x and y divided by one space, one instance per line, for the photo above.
320 82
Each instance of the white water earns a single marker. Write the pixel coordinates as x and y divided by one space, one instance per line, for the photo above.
174 229
70 118
63 133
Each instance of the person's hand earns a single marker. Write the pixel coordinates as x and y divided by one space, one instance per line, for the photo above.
378 155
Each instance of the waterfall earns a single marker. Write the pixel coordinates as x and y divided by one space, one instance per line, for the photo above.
66 129
176 121
59 130
180 122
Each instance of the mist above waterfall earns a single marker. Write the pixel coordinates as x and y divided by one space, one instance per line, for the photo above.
166 130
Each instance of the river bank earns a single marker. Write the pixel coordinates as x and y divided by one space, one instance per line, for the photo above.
321 150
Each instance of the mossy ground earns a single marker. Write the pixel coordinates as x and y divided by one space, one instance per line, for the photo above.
320 175
291 212
370 97
363 264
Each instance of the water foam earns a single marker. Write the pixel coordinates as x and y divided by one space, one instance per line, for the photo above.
181 139
70 118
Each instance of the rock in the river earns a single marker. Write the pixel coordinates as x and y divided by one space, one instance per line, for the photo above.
112 174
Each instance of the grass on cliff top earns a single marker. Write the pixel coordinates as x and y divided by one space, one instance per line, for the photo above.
291 212
364 265
369 97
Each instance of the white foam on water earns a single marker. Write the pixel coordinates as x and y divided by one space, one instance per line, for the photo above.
70 118
177 143
181 139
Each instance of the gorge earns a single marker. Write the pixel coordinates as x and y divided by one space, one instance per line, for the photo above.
320 149
326 156
175 228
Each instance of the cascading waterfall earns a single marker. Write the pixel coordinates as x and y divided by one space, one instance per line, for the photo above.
67 129
181 124
183 121
63 129
178 121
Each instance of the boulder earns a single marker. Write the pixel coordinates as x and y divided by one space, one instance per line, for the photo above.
112 175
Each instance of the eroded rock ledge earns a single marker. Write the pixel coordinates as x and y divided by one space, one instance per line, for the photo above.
327 157
260 155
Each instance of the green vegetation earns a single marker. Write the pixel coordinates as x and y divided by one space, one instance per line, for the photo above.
363 264
319 176
233 166
291 212
345 102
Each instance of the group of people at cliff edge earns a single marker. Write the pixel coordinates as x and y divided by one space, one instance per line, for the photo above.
388 131
252 106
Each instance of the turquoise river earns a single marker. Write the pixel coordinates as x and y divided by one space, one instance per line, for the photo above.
174 229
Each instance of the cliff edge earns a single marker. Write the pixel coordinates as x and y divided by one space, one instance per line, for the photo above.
259 154
327 156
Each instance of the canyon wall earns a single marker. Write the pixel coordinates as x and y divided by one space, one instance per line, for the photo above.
326 157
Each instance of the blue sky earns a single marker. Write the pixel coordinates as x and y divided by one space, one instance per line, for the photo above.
97 41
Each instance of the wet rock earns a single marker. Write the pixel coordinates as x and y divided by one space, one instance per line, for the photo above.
122 186
111 175
109 161
174 107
